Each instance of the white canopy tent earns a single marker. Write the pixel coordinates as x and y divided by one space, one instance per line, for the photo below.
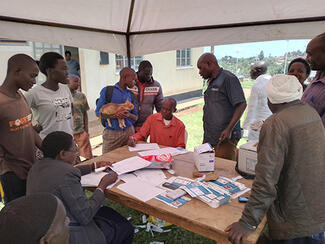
137 27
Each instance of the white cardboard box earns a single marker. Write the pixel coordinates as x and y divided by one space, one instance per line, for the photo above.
247 157
204 158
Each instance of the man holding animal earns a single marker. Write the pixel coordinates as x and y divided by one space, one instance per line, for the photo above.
120 113
164 128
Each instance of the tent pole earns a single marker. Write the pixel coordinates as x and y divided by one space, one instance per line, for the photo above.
127 36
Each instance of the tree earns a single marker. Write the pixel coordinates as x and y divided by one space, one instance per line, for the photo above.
261 55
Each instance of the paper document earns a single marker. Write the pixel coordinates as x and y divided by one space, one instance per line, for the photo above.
172 150
153 176
144 147
93 179
130 164
128 177
140 189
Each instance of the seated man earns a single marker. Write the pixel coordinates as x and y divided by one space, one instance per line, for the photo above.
163 128
38 218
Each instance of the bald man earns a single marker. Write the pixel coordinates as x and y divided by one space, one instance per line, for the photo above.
224 104
18 138
257 111
163 128
113 136
314 94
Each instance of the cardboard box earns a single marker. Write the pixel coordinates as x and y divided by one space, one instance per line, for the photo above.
204 158
247 157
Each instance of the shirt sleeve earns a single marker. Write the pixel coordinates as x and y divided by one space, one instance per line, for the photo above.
272 148
251 108
159 99
144 131
135 110
82 209
85 103
101 100
30 98
181 137
234 90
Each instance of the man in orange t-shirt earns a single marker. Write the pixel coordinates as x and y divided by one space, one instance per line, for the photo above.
163 128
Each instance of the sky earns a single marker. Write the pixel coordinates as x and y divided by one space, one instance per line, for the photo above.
246 50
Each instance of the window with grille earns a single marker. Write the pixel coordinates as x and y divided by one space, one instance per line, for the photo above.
184 57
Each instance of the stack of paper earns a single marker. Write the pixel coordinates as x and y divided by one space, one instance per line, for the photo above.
93 179
130 164
143 147
172 150
173 203
140 189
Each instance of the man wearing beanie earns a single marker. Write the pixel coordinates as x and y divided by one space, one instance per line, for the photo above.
34 219
289 173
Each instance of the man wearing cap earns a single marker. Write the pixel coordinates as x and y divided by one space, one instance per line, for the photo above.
289 172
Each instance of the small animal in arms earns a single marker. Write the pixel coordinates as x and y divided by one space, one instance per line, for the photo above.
109 110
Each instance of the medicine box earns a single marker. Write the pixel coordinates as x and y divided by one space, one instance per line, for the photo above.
204 158
247 157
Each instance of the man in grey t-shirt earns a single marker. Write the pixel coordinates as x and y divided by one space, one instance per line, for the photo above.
224 104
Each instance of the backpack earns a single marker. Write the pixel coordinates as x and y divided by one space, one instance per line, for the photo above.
108 96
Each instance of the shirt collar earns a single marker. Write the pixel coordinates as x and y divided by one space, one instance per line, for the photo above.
316 79
172 122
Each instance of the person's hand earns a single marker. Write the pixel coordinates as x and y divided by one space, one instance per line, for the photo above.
131 142
38 128
103 164
225 134
237 234
107 180
122 114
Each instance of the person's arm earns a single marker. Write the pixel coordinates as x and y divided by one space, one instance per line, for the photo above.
85 115
240 108
82 209
101 101
159 99
272 150
38 140
236 97
181 137
144 131
251 108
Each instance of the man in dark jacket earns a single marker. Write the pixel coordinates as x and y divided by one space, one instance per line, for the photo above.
148 93
290 171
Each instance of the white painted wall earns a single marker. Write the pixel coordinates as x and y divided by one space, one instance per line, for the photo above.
172 79
7 51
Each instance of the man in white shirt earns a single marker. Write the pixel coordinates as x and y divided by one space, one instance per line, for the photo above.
258 111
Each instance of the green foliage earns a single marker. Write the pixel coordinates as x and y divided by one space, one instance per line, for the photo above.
261 55
275 64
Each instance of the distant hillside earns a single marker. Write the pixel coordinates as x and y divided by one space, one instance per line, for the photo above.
275 64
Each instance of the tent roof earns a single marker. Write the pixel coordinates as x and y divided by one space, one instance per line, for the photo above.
138 27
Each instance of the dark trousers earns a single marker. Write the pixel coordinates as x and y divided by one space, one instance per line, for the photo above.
13 187
116 228
303 240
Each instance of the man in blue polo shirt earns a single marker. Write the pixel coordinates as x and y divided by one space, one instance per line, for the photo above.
113 136
224 104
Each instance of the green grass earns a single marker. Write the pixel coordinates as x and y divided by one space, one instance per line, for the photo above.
175 236
247 84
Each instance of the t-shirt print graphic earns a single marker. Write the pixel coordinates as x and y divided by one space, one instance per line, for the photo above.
63 108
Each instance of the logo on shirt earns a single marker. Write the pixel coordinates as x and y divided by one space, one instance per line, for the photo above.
63 110
151 89
20 123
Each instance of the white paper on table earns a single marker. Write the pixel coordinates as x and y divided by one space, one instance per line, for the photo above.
144 147
152 176
172 150
93 179
128 177
130 164
139 189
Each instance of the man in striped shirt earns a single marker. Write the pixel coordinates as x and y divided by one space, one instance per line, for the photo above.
314 94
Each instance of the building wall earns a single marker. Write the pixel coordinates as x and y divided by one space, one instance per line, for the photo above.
172 79
8 50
